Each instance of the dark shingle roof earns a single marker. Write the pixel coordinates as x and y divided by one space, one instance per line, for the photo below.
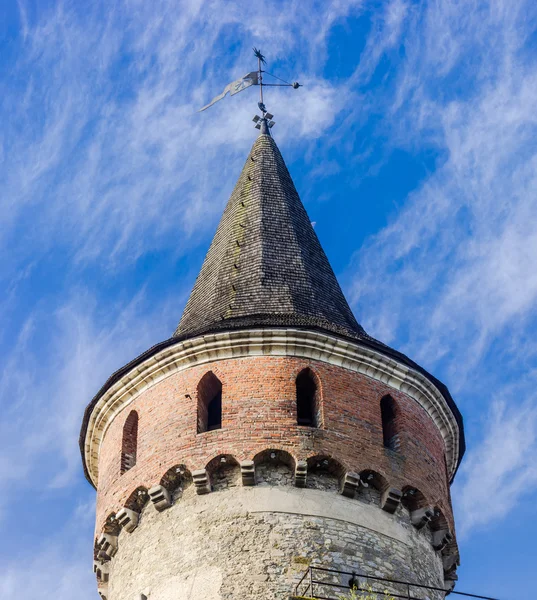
265 265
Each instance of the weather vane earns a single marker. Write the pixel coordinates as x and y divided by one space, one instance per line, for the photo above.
254 78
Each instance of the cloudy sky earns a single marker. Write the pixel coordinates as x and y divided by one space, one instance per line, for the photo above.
413 144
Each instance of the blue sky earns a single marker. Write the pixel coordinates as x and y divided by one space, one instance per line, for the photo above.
413 146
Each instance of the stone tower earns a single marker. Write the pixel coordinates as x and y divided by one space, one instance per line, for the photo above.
270 432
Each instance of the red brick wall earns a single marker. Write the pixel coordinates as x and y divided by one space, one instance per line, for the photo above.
258 413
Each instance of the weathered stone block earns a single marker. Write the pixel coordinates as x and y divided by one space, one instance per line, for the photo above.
420 517
390 500
441 538
201 481
248 472
160 497
128 519
350 484
301 473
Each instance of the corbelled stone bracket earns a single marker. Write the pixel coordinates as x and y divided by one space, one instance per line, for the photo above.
106 547
390 500
449 584
350 484
248 472
420 517
160 497
128 519
201 481
101 570
301 473
441 539
450 562
103 591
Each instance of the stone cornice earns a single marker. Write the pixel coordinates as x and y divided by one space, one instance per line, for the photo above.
267 342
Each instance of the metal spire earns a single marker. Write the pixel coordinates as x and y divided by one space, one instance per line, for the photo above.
264 123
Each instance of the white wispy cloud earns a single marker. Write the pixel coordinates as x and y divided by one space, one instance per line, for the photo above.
45 383
459 258
107 137
502 469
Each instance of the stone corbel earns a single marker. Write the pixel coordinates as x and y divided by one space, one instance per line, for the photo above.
248 472
160 497
106 546
101 570
201 481
128 519
103 591
450 579
390 500
350 484
301 473
441 538
420 517
450 562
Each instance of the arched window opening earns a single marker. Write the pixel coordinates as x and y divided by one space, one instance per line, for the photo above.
413 499
214 412
389 423
111 525
137 500
324 473
129 445
224 472
209 403
307 404
274 467
374 486
177 481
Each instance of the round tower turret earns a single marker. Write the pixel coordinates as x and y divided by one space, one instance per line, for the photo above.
271 433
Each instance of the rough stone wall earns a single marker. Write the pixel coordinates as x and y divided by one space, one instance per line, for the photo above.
259 413
256 543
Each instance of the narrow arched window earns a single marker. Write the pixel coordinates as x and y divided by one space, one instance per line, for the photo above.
209 403
307 405
388 413
129 444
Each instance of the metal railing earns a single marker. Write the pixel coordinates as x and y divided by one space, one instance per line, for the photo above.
319 581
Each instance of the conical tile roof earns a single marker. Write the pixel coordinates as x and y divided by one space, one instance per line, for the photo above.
265 266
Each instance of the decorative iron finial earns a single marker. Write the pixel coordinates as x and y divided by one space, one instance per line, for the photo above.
259 56
264 123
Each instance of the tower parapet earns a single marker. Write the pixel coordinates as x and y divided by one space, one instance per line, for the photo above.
271 431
